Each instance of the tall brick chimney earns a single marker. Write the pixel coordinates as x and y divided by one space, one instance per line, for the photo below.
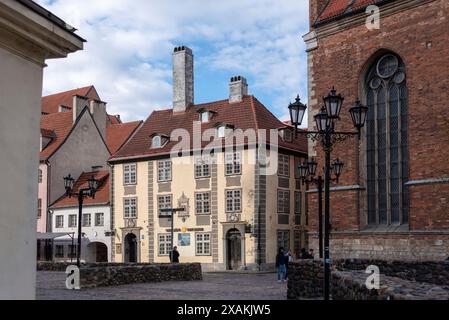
182 78
238 87
315 8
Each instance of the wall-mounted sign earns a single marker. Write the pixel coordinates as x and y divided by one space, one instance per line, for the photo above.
183 239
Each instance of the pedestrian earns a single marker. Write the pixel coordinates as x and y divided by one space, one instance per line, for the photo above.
311 254
288 259
281 265
174 256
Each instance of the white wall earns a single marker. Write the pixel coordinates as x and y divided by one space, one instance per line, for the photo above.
20 93
92 233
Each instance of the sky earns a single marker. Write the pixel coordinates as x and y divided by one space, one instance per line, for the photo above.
128 54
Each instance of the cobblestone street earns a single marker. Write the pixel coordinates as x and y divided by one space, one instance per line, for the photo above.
214 286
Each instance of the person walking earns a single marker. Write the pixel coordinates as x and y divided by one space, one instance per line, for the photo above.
174 256
281 265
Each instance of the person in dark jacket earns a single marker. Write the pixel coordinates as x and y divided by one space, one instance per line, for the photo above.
281 265
288 259
174 257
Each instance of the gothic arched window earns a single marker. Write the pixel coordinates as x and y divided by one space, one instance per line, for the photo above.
386 142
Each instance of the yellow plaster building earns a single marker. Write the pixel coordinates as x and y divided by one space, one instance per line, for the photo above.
239 208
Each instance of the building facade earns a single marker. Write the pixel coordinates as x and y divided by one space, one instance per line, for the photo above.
238 211
393 198
29 35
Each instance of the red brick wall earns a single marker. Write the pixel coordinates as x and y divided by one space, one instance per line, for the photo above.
420 37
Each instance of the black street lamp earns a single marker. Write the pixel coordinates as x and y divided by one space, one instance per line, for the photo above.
328 138
81 194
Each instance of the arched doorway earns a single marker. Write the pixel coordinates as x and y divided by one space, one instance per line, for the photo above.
131 248
97 252
234 249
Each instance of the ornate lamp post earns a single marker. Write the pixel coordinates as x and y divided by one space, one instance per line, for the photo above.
328 138
81 194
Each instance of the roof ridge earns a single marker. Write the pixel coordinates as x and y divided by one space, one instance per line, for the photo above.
256 123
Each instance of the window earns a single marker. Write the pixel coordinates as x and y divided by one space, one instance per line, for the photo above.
297 202
39 176
156 142
204 116
284 201
164 244
283 239
284 165
203 244
221 131
202 167
130 208
99 219
164 202
59 221
386 142
39 208
64 108
233 162
72 251
164 170
233 200
130 173
59 251
86 220
72 221
202 203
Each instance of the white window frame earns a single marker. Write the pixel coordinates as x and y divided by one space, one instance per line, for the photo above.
233 200
73 222
203 244
205 116
202 201
202 167
156 142
130 174
164 170
85 224
164 202
101 214
163 244
59 221
283 201
130 208
233 163
283 165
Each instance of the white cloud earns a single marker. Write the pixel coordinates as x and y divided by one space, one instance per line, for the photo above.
128 53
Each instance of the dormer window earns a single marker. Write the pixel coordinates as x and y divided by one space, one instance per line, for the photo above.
156 142
223 130
286 134
204 116
64 108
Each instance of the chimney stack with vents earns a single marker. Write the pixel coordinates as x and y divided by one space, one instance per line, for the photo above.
183 85
238 87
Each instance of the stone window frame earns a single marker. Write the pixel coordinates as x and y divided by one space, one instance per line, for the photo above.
59 221
85 221
209 200
233 199
73 221
59 254
202 241
128 214
164 171
386 84
233 167
166 204
284 206
130 171
101 214
202 167
283 165
281 241
166 241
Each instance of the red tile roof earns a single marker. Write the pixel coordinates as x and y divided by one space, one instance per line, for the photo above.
118 134
249 113
50 104
60 124
114 119
337 8
101 196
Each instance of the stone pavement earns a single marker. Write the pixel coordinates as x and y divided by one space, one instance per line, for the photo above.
214 286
